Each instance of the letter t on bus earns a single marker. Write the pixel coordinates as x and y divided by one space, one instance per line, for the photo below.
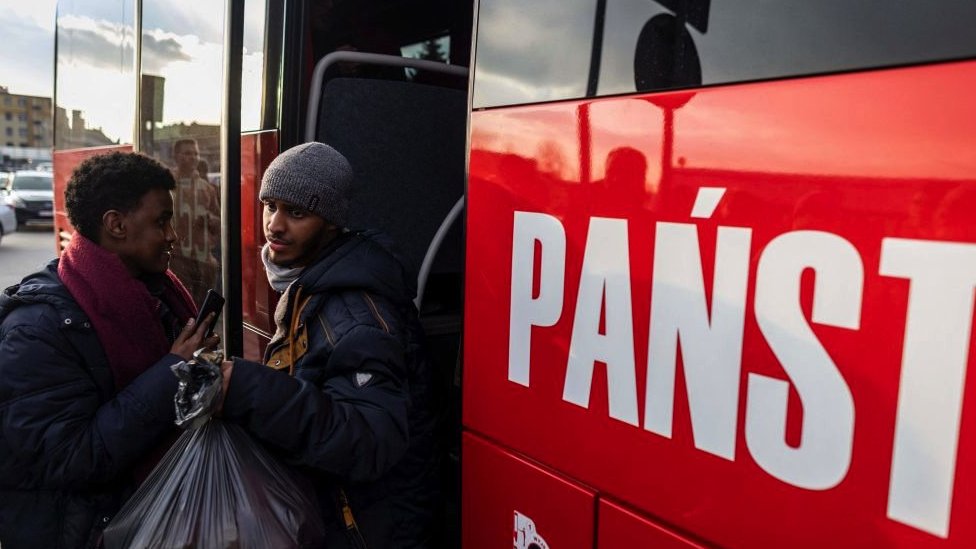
529 309
933 375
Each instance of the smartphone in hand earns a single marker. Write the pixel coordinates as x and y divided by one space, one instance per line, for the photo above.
212 303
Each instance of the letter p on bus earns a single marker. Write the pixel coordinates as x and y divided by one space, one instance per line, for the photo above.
530 307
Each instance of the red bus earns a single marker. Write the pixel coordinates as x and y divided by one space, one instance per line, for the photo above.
713 264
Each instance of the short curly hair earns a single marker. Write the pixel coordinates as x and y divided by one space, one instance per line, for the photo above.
113 181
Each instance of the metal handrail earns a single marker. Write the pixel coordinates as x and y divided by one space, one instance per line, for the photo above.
315 93
433 248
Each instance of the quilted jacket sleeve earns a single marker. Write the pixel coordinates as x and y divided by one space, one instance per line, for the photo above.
350 422
56 431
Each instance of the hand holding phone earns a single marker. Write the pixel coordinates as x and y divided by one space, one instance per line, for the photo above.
212 303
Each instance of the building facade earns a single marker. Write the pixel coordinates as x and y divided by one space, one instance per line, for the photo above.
25 127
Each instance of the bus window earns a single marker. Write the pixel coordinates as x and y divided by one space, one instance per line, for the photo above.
550 52
95 74
180 110
435 49
427 30
531 52
253 65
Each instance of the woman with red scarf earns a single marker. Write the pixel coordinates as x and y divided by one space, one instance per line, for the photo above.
86 393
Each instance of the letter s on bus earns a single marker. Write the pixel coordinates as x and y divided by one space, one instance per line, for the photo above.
824 455
528 310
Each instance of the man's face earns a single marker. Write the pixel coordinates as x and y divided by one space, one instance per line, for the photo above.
295 236
149 234
187 156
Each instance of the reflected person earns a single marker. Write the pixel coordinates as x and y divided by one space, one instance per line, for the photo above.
197 221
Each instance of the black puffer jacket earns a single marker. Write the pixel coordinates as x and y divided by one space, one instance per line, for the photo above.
359 413
68 441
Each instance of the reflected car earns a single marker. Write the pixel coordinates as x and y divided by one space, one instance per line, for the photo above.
31 195
8 220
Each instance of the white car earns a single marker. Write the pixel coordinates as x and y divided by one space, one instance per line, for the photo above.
8 220
31 195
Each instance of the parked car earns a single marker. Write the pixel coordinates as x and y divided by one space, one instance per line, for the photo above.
8 220
31 195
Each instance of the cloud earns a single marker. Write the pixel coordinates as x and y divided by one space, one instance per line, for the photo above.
106 45
27 55
40 13
91 49
159 50
201 18
543 45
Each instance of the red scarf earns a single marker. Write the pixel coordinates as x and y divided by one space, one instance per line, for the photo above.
125 316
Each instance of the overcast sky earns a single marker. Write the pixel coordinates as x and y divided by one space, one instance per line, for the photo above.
182 43
27 55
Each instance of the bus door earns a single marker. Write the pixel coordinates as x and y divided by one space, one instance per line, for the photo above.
386 84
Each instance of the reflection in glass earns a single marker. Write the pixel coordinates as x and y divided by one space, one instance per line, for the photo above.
180 110
665 56
197 221
532 51
252 73
435 49
542 53
95 73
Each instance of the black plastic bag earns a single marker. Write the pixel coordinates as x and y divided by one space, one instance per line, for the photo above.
216 487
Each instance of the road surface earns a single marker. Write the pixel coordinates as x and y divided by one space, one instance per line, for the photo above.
24 252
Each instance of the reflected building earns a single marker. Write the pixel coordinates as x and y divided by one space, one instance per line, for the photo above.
75 134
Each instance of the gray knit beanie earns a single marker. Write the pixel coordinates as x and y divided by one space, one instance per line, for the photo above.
313 176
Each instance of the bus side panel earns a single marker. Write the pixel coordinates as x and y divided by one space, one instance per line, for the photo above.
745 311
65 163
504 496
257 298
620 528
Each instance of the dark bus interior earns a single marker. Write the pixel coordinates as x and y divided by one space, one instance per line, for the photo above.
404 131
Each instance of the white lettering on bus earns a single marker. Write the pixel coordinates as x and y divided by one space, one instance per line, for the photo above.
824 454
933 371
604 288
528 310
711 351
936 344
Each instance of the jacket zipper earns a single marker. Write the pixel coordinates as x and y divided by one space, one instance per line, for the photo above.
352 529
376 312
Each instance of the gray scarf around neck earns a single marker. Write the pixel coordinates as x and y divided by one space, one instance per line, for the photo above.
279 277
